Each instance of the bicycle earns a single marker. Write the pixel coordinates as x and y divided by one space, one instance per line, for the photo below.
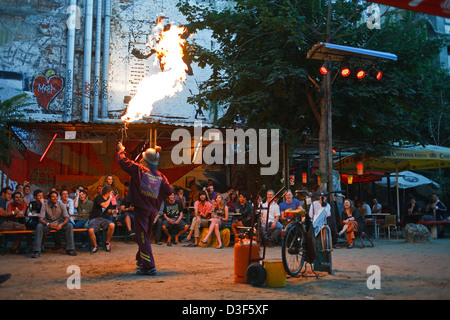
300 245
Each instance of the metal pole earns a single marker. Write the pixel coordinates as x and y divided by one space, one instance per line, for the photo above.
105 67
98 48
396 190
70 56
86 104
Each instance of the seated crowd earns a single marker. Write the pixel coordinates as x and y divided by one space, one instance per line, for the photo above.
64 211
204 210
60 213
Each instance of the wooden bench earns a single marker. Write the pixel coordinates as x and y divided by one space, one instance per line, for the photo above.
124 227
5 240
433 226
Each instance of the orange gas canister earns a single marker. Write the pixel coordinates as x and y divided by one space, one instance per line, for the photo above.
241 261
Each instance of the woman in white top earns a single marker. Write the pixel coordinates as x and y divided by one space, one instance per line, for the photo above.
317 206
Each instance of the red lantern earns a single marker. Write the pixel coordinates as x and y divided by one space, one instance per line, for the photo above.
304 177
360 168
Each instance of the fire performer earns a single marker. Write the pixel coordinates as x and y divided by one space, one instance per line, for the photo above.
147 190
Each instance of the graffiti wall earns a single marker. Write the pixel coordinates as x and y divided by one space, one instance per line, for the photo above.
33 51
35 43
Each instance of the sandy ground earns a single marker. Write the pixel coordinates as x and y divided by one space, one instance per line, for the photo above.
408 271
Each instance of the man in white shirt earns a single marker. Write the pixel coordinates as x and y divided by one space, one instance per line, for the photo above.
365 208
376 206
273 226
68 202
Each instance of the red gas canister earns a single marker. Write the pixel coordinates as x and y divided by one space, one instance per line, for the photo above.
241 258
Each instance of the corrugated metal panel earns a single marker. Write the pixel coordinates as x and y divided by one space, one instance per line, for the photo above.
112 123
335 52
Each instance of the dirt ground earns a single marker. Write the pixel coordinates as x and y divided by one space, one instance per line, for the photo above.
407 271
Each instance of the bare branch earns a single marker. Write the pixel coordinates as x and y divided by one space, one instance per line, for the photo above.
344 23
312 104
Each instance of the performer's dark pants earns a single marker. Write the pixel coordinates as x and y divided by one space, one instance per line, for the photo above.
143 223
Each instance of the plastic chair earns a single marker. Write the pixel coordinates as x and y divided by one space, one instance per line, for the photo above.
369 223
389 222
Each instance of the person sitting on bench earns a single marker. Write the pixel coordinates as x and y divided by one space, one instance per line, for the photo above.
173 215
101 210
219 216
7 218
246 210
54 216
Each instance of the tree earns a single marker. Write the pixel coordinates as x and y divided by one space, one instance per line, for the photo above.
9 112
261 76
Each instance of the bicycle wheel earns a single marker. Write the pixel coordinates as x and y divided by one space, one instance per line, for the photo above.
292 250
327 247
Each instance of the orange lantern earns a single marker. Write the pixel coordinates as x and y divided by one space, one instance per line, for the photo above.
350 179
304 177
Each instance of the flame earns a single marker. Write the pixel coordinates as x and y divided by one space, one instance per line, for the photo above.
168 44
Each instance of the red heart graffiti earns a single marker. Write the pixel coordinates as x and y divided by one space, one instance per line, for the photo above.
45 90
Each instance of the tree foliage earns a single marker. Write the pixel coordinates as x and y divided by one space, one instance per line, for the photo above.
9 112
261 76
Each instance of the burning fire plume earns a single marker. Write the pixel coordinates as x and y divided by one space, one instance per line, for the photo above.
168 42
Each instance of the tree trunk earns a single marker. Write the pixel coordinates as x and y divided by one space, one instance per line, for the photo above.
323 134
329 146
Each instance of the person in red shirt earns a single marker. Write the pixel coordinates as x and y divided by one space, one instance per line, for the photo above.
17 205
17 209
7 217
202 211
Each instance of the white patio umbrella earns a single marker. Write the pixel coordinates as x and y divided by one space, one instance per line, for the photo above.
409 180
